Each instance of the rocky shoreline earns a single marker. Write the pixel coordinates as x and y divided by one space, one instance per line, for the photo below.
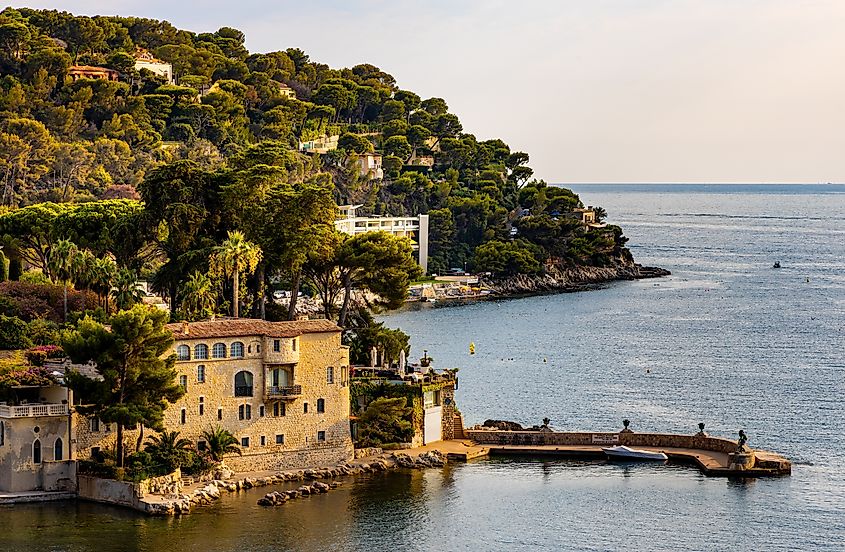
183 503
570 279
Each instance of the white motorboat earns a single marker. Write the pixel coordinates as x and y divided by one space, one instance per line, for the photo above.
622 452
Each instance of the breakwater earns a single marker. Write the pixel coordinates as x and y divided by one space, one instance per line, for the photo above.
714 456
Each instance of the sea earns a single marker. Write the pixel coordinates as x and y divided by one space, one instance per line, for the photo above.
726 340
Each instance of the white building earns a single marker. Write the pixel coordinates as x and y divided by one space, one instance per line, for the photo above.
414 228
369 165
323 144
286 91
145 60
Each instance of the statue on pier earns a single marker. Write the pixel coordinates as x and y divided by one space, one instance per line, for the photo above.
743 438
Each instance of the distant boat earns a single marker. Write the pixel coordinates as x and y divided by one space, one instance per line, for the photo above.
622 452
776 265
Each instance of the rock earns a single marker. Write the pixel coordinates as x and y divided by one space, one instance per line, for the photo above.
222 471
502 425
304 490
265 502
321 487
556 278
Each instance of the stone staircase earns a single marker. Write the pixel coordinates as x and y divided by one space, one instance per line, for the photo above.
458 426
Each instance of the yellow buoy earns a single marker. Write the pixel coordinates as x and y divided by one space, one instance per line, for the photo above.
472 348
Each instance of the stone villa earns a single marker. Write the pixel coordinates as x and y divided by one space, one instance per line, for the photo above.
281 388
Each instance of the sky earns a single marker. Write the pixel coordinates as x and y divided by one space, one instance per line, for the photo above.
710 91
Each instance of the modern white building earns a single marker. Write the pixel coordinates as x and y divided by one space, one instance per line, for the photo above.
414 228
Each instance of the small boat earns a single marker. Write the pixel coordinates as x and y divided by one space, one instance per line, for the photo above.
776 265
626 453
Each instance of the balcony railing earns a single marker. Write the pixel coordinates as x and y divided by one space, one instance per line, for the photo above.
288 392
33 410
243 390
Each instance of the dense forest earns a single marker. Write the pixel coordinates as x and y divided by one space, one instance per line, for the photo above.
146 175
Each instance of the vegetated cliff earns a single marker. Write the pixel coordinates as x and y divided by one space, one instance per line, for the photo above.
557 278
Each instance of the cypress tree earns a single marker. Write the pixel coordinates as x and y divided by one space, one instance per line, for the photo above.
15 269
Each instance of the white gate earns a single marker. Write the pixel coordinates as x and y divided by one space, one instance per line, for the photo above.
433 430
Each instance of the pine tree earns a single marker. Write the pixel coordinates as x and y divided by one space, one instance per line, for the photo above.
138 381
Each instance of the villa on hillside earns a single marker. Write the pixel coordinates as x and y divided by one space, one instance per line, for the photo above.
414 228
588 217
281 388
369 165
145 60
425 162
286 91
324 144
76 72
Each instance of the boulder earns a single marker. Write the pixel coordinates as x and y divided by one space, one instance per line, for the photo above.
222 471
502 425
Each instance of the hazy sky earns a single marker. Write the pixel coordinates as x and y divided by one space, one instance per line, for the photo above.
593 90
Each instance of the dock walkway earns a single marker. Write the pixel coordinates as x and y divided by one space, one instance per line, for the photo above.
710 462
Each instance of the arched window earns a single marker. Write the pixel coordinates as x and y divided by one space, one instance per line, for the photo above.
237 350
321 405
218 351
58 452
36 452
201 351
245 412
243 384
183 352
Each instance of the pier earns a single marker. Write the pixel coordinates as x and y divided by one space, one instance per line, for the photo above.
714 456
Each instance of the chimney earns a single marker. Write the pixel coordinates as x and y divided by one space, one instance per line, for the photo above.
185 327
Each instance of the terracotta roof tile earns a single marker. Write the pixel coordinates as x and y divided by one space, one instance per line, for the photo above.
243 327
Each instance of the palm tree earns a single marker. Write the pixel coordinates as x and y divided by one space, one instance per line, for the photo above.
220 441
168 449
197 296
600 212
125 292
102 274
234 256
62 259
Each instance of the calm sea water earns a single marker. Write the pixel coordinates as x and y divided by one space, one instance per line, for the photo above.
726 340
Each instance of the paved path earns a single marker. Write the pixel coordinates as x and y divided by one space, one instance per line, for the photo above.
34 496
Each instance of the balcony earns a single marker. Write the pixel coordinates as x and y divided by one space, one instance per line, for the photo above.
33 410
243 390
289 392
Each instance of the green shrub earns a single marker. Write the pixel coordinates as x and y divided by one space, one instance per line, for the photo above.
43 332
13 333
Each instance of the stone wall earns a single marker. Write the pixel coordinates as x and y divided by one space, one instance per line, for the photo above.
538 438
300 431
447 397
126 493
59 476
169 484
109 491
